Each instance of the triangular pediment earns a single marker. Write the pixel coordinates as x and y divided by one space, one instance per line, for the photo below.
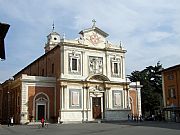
95 29
93 37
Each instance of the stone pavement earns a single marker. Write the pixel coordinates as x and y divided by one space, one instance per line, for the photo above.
110 128
157 124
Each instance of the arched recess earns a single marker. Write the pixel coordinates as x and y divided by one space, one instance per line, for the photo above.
41 106
97 77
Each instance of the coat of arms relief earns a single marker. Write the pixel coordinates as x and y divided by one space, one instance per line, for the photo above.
95 65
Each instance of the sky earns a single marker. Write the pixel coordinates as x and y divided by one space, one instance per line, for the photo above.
148 29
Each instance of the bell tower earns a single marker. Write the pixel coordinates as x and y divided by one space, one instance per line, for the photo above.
52 40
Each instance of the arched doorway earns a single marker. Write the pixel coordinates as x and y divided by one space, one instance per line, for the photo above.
41 106
98 102
97 94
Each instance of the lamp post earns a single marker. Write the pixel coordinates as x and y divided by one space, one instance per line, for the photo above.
137 100
8 108
127 92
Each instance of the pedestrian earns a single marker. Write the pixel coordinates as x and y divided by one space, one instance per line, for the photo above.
137 118
128 117
132 116
8 121
153 117
140 118
42 122
59 120
12 121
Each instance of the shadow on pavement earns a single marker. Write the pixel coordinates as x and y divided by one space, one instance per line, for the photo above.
168 125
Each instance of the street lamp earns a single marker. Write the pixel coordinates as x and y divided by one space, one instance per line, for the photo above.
8 107
137 100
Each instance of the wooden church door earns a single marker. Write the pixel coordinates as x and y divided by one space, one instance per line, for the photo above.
96 107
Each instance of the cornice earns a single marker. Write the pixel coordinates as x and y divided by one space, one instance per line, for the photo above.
92 48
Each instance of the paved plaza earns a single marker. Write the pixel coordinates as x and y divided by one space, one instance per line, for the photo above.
124 128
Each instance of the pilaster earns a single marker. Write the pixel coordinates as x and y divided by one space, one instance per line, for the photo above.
24 104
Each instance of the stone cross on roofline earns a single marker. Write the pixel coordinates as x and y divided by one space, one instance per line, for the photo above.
94 23
53 26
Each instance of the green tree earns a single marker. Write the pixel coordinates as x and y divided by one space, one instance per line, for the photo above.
151 92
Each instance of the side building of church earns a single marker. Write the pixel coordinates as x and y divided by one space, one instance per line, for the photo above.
77 80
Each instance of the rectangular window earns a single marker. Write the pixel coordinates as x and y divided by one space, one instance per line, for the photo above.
74 64
42 72
115 68
171 93
18 100
53 68
170 77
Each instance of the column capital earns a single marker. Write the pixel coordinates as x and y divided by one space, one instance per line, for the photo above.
86 85
107 87
63 84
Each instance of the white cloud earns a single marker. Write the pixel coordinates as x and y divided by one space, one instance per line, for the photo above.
157 36
149 29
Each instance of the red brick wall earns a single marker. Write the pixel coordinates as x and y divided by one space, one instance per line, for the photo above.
133 95
44 63
32 91
58 98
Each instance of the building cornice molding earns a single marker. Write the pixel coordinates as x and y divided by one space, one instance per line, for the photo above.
64 80
33 79
106 49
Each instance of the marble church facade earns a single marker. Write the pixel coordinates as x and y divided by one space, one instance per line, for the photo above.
74 81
